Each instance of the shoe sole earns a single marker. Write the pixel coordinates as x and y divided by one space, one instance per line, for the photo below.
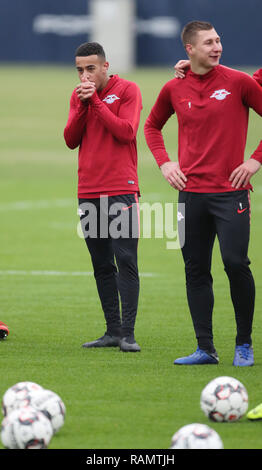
207 363
243 365
196 363
99 346
130 348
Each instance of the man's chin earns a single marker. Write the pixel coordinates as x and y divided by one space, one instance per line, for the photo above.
214 61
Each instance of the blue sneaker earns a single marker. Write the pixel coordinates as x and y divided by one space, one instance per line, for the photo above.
197 358
244 355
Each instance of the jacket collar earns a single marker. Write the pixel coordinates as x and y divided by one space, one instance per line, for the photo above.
111 82
205 76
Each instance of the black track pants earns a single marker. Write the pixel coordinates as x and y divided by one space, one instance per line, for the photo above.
226 215
111 229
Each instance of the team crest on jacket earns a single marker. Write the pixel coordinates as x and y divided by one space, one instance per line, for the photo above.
220 94
110 99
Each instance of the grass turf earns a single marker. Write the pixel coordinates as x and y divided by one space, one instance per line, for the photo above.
114 400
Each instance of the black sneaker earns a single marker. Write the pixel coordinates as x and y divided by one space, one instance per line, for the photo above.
105 341
129 344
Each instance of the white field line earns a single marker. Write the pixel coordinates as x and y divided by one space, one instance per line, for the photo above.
13 272
42 204
50 203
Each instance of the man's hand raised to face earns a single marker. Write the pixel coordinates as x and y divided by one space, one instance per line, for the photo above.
85 90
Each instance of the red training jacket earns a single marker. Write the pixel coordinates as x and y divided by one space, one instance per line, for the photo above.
212 112
105 130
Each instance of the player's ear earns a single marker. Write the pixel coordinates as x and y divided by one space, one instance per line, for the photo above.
188 48
106 66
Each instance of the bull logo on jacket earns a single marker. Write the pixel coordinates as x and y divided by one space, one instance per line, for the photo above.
220 94
109 99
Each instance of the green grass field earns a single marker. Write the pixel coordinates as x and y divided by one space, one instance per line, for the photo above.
113 400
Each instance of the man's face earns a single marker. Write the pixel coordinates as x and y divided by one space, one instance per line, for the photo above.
206 49
92 68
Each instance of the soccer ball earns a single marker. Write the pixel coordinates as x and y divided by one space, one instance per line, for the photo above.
17 396
224 399
51 405
26 428
196 436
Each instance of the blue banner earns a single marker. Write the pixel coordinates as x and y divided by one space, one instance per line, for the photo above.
49 31
238 22
41 30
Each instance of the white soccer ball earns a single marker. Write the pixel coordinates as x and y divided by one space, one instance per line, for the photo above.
224 399
26 428
17 396
196 436
51 405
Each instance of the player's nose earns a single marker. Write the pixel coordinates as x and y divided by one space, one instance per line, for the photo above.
85 76
218 47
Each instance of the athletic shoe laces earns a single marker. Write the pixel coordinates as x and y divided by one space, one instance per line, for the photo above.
244 351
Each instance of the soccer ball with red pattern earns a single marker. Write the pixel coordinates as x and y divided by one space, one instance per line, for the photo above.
51 405
17 396
224 399
196 436
26 428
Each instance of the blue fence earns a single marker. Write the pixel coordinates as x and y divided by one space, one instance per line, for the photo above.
50 30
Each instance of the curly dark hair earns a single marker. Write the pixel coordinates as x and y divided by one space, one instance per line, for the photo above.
90 48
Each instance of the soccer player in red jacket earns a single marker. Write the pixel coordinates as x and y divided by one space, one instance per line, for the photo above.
213 180
103 122
181 68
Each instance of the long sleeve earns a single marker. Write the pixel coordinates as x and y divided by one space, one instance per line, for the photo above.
160 113
123 126
252 94
257 155
76 122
